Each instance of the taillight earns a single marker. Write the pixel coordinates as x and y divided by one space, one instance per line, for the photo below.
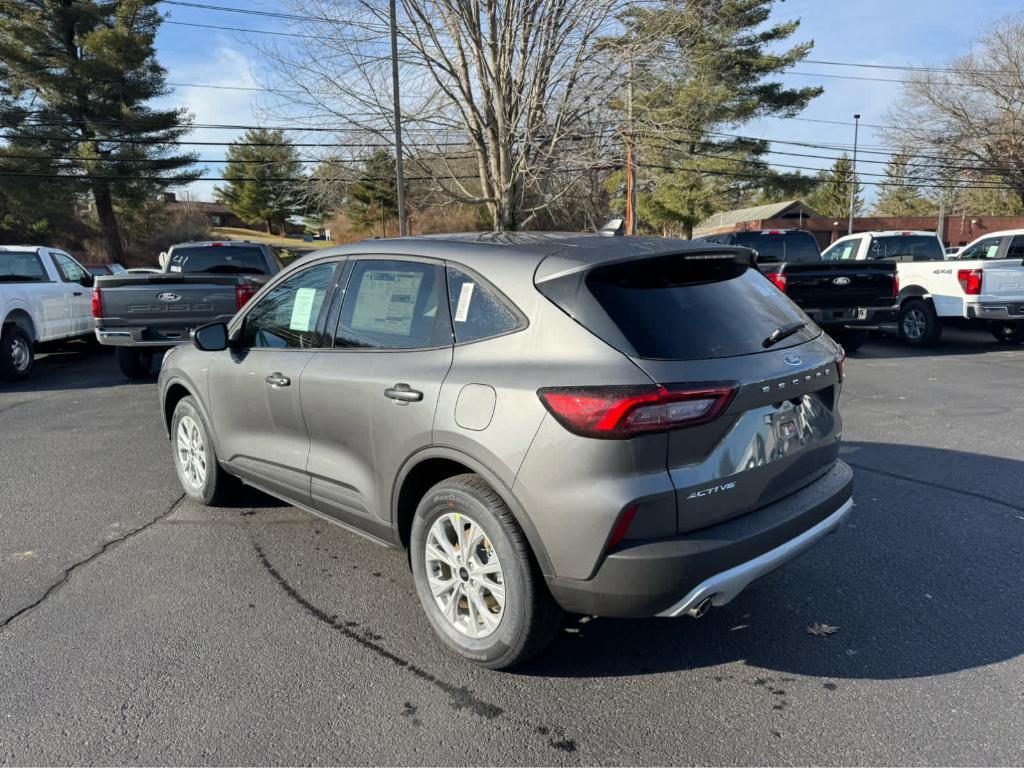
97 303
778 280
970 281
620 412
896 286
243 293
841 363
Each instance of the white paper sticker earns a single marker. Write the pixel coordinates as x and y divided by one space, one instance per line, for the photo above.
385 301
175 268
465 297
302 309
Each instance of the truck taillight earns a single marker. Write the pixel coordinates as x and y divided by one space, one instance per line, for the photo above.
621 412
97 303
970 281
243 293
778 280
896 286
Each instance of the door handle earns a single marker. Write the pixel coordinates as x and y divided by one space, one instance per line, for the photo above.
277 380
403 394
77 293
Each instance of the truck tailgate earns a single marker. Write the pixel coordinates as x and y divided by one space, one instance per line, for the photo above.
1003 283
841 284
166 300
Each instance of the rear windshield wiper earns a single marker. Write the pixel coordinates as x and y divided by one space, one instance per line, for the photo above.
782 332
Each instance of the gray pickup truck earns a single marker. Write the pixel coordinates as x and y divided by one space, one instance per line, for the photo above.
144 314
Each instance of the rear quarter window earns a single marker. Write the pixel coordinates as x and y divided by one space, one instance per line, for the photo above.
478 312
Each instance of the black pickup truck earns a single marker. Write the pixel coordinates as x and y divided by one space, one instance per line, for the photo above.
204 282
847 299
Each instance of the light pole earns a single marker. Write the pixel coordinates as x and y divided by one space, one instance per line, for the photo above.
853 175
399 171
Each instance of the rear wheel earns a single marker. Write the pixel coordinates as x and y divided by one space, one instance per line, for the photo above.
918 324
1008 332
476 577
850 339
17 355
135 363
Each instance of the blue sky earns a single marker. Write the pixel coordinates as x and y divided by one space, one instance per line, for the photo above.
914 32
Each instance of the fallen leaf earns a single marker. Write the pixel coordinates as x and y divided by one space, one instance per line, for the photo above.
821 630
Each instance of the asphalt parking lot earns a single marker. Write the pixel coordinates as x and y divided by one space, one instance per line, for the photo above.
139 628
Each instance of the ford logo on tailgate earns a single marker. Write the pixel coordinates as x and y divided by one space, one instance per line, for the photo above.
168 296
792 360
841 281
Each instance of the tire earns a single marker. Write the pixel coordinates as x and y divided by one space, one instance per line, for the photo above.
17 355
1008 332
195 458
135 363
850 339
918 324
503 627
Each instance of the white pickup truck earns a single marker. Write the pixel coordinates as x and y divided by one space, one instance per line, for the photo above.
982 284
44 297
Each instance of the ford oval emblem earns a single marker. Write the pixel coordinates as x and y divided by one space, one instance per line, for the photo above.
841 281
792 360
168 296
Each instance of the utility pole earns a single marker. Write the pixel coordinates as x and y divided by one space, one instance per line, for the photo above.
399 171
940 230
853 176
630 154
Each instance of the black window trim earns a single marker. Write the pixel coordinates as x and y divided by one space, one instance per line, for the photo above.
522 321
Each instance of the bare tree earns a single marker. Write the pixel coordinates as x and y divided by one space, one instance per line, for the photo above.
508 99
970 114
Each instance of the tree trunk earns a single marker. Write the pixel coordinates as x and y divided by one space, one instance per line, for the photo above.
270 227
108 221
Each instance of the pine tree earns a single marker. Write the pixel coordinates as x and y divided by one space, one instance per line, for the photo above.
702 68
264 176
373 198
900 194
75 79
831 196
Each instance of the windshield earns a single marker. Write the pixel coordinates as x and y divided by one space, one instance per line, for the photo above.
218 260
792 247
21 267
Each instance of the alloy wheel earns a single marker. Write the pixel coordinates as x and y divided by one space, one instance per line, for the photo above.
914 324
21 355
191 452
465 575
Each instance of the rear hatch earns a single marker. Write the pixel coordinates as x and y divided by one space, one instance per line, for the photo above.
841 284
699 320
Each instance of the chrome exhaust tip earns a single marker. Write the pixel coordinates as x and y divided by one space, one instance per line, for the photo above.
700 609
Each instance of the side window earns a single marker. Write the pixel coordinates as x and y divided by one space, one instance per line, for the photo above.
844 251
68 268
1016 249
287 316
983 249
477 313
395 305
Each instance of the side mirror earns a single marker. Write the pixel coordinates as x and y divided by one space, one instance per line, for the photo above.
211 338
162 259
87 281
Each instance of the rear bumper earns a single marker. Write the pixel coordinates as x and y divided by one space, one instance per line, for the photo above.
128 339
995 311
155 335
669 577
853 317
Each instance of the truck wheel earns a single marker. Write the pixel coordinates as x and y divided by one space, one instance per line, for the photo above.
1008 332
918 324
17 355
476 577
850 339
195 459
135 363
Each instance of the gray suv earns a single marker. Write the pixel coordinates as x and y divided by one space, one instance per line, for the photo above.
618 426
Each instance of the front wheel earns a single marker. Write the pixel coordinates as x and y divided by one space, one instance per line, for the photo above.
1008 332
17 355
918 324
476 577
135 363
195 458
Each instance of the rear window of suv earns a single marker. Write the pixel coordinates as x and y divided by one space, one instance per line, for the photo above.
21 267
669 308
219 260
793 247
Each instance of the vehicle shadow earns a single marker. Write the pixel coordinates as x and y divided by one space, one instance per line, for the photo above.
954 341
75 365
924 580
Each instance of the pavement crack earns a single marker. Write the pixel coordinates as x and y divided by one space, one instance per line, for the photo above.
106 546
933 484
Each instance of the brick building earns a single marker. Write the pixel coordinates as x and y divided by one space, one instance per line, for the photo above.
794 214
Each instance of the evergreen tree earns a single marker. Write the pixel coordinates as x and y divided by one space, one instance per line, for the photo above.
900 194
703 68
264 176
373 198
75 79
831 196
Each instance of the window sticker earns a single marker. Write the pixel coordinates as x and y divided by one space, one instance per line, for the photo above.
465 297
386 300
302 309
175 268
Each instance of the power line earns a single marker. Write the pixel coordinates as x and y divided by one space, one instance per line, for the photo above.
908 68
